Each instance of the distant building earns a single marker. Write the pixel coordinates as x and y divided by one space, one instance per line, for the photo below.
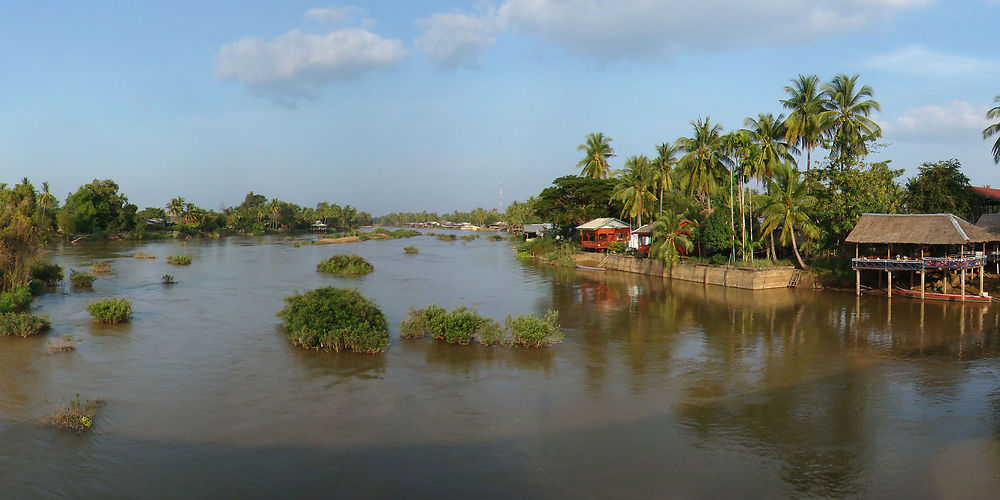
641 239
536 230
599 234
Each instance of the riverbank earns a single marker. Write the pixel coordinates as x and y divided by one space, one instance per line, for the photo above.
729 276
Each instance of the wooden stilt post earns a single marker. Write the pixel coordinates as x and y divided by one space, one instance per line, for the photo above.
888 289
888 273
857 274
961 255
923 273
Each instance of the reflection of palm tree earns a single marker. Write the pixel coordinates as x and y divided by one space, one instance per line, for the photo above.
994 114
598 151
633 188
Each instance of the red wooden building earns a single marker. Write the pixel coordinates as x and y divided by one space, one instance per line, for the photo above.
598 234
642 239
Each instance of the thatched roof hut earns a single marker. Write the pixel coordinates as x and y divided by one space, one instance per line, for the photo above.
917 229
989 223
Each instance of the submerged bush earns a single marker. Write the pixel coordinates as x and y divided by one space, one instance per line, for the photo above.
179 260
447 237
410 249
63 343
345 264
111 310
16 299
469 237
142 255
340 319
21 324
50 274
168 279
494 237
460 326
85 280
528 330
101 266
75 416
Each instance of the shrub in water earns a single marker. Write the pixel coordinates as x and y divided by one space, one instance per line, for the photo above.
168 279
417 325
103 266
15 299
179 260
469 237
345 264
494 237
447 237
64 343
19 324
460 326
410 249
50 274
528 330
36 287
335 318
141 255
85 280
404 233
111 310
75 416
362 237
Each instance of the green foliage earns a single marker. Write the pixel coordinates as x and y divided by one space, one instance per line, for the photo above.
538 246
36 287
84 280
532 331
716 232
337 319
111 310
168 279
16 299
101 266
994 128
671 237
469 237
447 237
597 151
362 237
494 237
97 206
460 326
20 234
573 200
718 259
51 274
618 247
520 213
410 249
22 324
142 255
634 188
419 321
345 264
179 260
404 233
940 188
76 416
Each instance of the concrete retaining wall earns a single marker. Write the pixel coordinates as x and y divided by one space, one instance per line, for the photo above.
735 277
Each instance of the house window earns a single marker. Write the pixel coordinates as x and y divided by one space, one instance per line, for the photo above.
603 237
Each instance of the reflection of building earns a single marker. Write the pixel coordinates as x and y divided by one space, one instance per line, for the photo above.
599 234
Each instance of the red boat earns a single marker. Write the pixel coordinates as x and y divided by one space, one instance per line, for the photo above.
955 297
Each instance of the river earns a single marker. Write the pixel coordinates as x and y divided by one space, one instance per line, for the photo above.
660 389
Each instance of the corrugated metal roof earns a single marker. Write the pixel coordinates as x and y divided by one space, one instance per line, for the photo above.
603 222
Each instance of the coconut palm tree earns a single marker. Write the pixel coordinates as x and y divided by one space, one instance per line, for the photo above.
704 163
994 114
846 117
786 206
634 188
598 151
671 237
663 165
767 134
805 102
176 208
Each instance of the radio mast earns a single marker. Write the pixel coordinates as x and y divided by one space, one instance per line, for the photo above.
500 206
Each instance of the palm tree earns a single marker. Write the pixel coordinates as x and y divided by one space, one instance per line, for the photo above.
633 188
786 205
671 237
846 117
994 114
802 127
176 208
704 165
767 134
595 163
663 164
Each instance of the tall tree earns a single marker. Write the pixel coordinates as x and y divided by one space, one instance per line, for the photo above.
805 105
20 238
671 237
786 205
994 114
847 120
598 151
663 165
634 188
704 164
175 208
939 188
767 134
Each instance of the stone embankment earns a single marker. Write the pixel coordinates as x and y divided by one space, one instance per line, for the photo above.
750 278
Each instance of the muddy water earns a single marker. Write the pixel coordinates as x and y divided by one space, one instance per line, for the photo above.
659 390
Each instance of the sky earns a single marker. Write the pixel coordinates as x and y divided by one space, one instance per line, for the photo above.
410 106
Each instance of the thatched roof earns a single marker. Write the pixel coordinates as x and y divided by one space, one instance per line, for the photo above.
917 229
603 222
989 223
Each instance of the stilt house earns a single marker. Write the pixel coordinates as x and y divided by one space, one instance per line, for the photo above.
598 234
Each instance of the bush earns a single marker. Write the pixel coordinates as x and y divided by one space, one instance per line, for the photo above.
494 237
447 237
50 274
337 319
36 287
719 259
179 260
111 310
410 249
16 299
460 326
101 266
85 280
20 324
362 237
75 416
64 343
141 255
345 264
404 233
538 246
531 331
469 237
168 279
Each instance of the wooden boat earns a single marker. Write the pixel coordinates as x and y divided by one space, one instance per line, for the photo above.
589 268
955 297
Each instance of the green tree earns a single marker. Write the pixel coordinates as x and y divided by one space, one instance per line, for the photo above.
598 150
994 114
787 206
671 237
663 165
939 188
573 200
803 126
767 134
704 164
634 188
20 237
846 118
521 213
176 208
97 206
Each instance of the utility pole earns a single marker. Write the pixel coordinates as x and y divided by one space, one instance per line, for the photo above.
500 205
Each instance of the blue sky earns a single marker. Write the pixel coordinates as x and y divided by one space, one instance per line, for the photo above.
400 106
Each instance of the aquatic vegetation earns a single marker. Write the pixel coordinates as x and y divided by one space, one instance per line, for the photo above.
168 279
362 237
16 299
410 249
405 233
50 274
36 287
101 266
179 260
74 416
460 326
21 324
64 343
142 255
447 237
339 319
352 265
84 280
528 330
111 310
494 237
469 237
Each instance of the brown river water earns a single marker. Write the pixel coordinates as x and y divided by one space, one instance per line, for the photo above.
660 389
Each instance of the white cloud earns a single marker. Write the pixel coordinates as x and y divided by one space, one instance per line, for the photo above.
338 16
958 119
452 40
919 61
295 65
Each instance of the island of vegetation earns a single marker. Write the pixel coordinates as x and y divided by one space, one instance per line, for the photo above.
338 319
350 265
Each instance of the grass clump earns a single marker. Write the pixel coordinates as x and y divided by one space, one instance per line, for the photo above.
62 344
51 274
143 255
410 249
75 416
469 237
111 310
15 299
494 237
340 319
83 280
168 279
101 266
404 233
447 237
21 324
345 264
528 330
460 326
179 260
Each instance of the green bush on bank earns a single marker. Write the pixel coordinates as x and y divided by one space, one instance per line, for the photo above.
111 310
21 324
340 319
16 299
51 274
345 264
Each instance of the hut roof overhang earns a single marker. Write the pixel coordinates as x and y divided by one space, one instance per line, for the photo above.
647 229
602 223
989 223
917 229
